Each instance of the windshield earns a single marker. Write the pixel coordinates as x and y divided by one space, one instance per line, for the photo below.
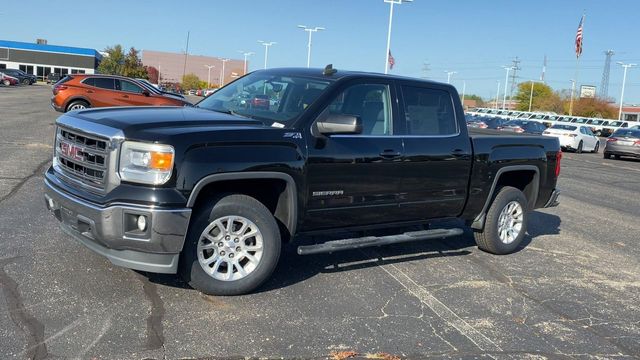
277 99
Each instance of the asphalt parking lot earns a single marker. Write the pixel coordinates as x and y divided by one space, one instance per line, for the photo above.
572 292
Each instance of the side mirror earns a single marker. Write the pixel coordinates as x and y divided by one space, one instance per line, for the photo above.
340 124
146 92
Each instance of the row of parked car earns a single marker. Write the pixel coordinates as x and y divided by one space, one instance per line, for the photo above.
600 127
12 77
574 133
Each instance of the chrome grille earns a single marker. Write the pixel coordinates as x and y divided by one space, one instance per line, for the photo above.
82 157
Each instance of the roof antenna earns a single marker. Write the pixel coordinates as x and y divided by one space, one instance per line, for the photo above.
329 70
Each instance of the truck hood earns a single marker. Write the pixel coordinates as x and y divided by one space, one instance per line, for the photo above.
136 119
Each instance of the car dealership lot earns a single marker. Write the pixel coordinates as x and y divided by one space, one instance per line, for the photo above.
572 292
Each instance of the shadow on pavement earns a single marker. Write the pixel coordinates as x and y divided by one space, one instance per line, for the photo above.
293 268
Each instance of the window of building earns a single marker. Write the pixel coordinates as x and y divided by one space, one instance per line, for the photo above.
428 111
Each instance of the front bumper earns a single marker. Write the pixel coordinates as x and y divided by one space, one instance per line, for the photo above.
112 232
553 199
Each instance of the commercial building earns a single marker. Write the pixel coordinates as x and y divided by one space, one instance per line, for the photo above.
42 59
171 66
631 113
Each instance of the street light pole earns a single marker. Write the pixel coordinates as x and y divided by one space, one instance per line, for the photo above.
506 81
222 71
310 31
209 75
449 73
624 81
391 3
464 90
246 55
266 50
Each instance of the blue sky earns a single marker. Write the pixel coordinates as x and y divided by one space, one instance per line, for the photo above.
473 38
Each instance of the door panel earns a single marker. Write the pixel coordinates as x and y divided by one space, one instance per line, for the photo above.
437 155
353 179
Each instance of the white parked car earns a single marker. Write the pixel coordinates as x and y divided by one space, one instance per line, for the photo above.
574 137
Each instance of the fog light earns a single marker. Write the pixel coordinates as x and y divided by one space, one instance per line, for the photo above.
52 204
142 222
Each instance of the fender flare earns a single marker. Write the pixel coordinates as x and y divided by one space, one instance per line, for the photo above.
291 190
478 222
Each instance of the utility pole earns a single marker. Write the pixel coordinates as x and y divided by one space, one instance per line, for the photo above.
624 81
515 67
544 68
531 94
497 95
604 84
464 89
391 3
310 31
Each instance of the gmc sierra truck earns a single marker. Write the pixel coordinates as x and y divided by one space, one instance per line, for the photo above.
212 191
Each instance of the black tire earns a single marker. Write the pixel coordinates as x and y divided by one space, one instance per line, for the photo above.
231 205
617 157
26 82
579 150
607 155
597 148
77 103
488 238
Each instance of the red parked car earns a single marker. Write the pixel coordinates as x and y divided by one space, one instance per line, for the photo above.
7 80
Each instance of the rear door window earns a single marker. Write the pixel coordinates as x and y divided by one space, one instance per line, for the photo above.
428 112
105 83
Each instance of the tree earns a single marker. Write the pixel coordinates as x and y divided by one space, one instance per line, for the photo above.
544 98
190 81
152 74
113 62
592 107
133 65
478 99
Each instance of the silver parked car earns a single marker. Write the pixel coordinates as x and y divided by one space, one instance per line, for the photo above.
623 142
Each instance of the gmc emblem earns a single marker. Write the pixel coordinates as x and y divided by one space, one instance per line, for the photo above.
71 151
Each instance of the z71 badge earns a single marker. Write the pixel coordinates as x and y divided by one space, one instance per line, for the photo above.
328 193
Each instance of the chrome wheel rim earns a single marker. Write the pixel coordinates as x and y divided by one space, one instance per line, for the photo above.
510 222
77 107
230 248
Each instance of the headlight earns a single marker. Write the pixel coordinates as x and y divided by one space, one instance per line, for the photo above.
146 163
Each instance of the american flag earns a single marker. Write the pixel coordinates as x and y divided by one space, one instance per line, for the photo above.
579 38
392 61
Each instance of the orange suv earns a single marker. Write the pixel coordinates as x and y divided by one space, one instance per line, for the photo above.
80 91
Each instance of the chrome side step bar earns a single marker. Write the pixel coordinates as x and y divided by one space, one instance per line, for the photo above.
369 241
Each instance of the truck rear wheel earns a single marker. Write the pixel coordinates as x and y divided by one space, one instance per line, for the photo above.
232 246
505 224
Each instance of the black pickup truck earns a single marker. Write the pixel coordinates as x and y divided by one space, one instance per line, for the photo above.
212 191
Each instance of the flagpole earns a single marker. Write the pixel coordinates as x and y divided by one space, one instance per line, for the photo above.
575 79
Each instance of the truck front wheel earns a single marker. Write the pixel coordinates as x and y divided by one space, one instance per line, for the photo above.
232 246
505 224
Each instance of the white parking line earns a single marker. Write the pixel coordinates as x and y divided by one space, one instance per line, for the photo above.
440 309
